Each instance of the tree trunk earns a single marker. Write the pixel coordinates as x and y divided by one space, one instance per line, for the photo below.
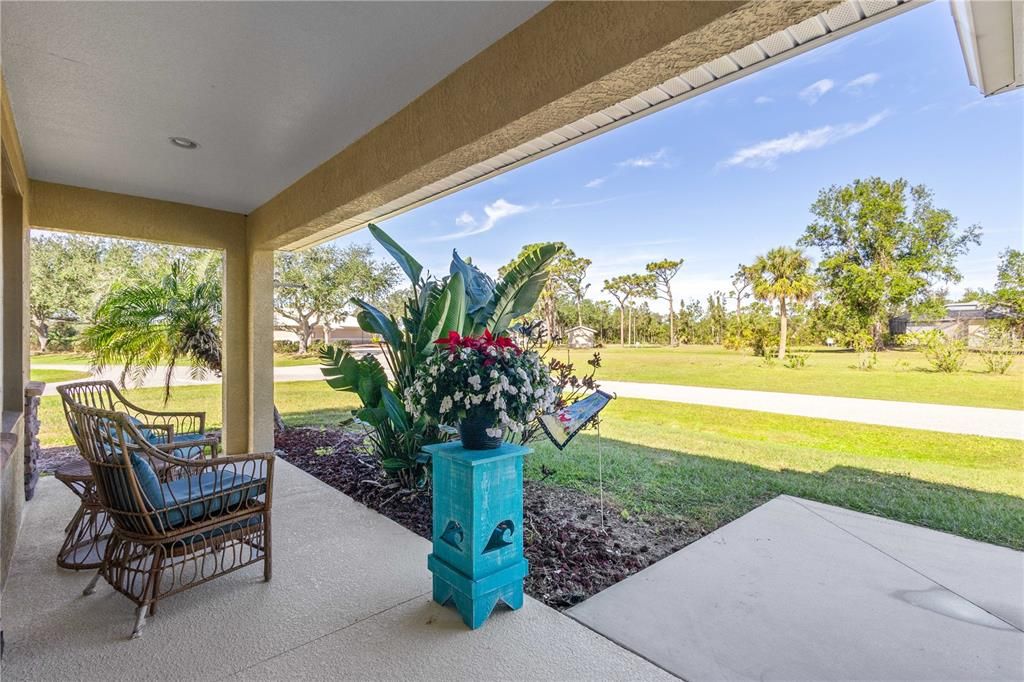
622 324
278 421
579 312
42 333
877 335
783 329
304 333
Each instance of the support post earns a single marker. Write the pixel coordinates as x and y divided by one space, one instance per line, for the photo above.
248 372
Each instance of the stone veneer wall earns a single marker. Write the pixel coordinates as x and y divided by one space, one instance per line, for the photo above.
33 393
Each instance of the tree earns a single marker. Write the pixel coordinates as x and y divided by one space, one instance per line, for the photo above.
567 273
1009 289
313 287
884 246
166 321
716 317
664 271
742 283
782 275
64 272
640 288
619 288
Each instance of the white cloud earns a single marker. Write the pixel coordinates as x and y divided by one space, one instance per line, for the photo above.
763 154
763 100
494 212
596 182
646 161
813 92
861 83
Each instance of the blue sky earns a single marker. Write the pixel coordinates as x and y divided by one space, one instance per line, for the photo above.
727 175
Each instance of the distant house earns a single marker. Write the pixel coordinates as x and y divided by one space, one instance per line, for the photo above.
347 330
966 320
582 337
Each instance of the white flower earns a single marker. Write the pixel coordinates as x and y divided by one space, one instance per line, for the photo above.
494 374
474 381
477 399
446 404
493 433
458 396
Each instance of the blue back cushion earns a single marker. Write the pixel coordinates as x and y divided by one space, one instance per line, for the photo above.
148 481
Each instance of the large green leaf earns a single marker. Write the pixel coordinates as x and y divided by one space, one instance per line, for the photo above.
343 372
518 290
395 409
409 265
479 287
445 312
375 321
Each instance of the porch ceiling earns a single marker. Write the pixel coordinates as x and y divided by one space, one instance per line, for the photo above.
268 90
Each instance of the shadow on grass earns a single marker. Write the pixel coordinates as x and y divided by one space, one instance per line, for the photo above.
712 492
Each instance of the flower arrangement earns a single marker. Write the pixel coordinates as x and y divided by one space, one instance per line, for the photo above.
485 381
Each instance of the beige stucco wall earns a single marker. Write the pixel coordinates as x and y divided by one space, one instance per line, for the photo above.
14 339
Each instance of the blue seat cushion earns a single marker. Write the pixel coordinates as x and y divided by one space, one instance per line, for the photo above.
224 489
187 452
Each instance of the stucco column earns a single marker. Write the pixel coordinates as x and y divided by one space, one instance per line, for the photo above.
248 377
15 302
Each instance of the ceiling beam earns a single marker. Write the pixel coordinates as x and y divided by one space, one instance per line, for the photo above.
567 61
108 214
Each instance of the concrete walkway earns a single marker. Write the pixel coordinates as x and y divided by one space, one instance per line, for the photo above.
350 599
977 421
797 590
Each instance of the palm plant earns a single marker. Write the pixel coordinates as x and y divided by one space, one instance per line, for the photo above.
465 301
782 275
171 321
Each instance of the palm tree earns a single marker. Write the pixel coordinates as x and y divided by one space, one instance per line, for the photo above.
783 275
171 321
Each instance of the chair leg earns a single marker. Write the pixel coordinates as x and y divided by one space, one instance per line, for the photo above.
91 587
140 621
267 564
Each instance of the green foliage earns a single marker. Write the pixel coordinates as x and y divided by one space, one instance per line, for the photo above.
863 344
663 272
943 353
782 275
998 349
796 360
467 301
313 287
64 282
884 246
165 322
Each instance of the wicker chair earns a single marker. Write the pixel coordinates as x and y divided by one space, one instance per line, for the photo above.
200 519
181 433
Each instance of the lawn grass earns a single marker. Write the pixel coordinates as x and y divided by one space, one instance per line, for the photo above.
709 465
899 375
55 375
60 359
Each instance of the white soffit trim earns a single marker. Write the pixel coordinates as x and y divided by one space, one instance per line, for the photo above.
991 36
840 21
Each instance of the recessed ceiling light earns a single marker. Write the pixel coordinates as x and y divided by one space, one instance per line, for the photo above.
183 142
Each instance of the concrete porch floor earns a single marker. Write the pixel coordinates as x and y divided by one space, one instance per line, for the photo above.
350 598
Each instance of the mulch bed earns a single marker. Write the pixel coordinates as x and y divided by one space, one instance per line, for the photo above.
571 555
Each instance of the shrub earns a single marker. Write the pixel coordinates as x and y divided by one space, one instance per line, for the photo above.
796 360
767 357
942 353
286 346
997 350
864 345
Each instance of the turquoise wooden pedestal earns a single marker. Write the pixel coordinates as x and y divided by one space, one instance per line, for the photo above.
478 528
